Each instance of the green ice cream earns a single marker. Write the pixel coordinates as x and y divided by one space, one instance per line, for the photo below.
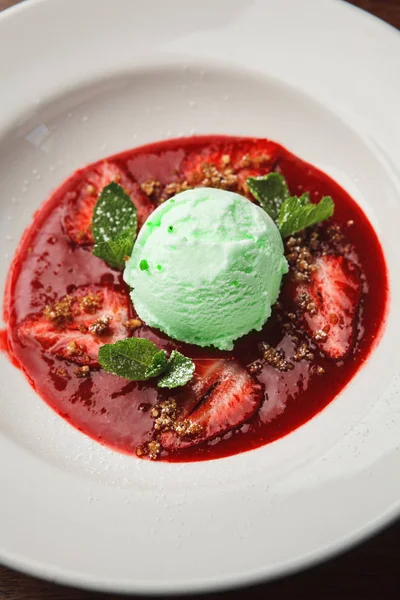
206 267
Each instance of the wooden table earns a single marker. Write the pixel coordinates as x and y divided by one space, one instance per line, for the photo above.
370 571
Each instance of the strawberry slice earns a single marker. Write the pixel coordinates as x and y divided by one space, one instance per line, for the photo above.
82 198
223 395
227 165
332 296
77 325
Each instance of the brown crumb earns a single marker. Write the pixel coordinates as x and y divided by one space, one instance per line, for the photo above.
133 324
188 429
165 414
306 304
224 179
254 161
152 188
74 349
314 241
173 188
60 312
153 449
91 302
303 352
299 256
275 358
100 325
320 335
255 368
83 371
335 234
61 372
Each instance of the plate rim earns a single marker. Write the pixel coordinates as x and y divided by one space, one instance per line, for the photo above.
180 586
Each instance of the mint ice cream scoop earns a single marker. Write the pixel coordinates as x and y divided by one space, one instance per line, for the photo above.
206 267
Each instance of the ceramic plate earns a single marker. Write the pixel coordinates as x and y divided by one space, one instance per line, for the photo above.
83 80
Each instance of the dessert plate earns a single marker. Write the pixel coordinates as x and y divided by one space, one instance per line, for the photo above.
91 79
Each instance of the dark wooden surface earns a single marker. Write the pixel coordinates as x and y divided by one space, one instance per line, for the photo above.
370 571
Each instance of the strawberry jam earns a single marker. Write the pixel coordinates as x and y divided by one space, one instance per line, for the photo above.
62 303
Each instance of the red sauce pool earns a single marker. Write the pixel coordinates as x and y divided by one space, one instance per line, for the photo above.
116 412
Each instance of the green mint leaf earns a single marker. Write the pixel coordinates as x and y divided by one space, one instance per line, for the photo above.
115 251
158 365
114 226
298 213
113 215
271 191
133 358
179 371
138 359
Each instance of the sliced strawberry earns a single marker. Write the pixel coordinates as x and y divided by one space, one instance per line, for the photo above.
77 325
254 154
227 165
332 295
223 395
82 198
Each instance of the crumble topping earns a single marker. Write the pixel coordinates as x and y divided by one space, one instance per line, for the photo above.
303 352
91 302
152 449
100 325
321 335
83 371
224 179
306 304
173 188
255 368
335 234
299 257
60 312
61 372
152 188
275 358
75 349
188 428
165 414
254 161
133 324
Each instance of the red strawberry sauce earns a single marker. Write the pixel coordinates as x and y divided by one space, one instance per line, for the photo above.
116 412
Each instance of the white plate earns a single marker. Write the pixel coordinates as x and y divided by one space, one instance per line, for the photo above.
81 80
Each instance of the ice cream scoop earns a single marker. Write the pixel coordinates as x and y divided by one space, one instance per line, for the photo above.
206 267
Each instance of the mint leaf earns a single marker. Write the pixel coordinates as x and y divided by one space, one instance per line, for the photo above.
158 366
138 359
114 225
271 191
113 215
179 371
133 358
115 251
298 213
